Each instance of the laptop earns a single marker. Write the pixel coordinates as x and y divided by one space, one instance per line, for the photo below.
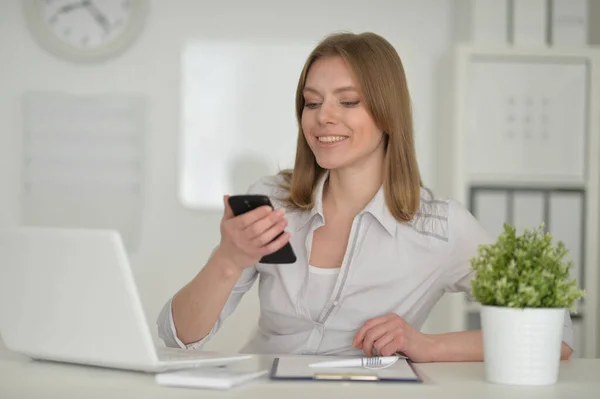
69 295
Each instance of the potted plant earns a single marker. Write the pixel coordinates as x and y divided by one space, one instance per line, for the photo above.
524 286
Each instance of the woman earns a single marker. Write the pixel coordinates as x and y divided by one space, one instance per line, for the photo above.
376 250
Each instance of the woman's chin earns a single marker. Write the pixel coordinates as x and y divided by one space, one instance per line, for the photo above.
330 164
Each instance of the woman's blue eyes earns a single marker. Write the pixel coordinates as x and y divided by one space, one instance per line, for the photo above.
348 104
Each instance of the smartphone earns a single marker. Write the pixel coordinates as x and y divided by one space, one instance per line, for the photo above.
243 203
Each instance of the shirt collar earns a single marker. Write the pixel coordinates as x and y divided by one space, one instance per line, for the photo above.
377 207
318 207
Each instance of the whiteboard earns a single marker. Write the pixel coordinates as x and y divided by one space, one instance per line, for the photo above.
238 116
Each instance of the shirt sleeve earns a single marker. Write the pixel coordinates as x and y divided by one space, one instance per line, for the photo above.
166 327
466 234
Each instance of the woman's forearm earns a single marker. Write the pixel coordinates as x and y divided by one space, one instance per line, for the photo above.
467 346
197 306
463 346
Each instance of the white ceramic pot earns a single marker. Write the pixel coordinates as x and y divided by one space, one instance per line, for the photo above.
522 346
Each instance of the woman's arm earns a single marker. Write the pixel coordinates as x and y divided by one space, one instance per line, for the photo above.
467 346
390 334
245 239
197 306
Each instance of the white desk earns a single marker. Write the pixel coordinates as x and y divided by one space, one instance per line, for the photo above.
23 378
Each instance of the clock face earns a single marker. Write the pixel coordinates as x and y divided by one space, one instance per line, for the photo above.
85 30
87 24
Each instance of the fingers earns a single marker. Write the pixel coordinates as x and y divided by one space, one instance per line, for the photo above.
383 335
394 347
267 236
373 335
382 346
277 244
255 233
265 225
369 324
247 219
228 212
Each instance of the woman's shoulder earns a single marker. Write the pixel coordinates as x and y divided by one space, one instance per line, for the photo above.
440 217
431 219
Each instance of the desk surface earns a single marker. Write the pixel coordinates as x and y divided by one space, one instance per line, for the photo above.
23 378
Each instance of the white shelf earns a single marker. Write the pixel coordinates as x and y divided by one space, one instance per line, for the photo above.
527 181
588 323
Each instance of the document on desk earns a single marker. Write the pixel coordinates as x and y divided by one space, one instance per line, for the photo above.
299 368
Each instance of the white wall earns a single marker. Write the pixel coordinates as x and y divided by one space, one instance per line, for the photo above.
175 242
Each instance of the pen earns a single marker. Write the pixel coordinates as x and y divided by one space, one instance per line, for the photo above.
362 362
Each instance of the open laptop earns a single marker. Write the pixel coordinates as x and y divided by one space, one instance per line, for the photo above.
69 295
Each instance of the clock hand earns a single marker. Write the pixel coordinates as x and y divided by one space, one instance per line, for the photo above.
98 16
68 8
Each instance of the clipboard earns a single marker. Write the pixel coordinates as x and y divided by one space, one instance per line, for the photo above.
296 368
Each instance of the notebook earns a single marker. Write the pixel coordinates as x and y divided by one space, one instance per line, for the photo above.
298 368
210 378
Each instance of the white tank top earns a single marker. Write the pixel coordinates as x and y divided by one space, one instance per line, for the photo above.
320 286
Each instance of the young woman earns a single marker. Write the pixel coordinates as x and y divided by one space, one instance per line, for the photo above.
376 250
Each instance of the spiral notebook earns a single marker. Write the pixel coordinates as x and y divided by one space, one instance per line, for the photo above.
297 368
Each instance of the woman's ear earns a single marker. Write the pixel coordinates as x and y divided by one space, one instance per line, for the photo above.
386 138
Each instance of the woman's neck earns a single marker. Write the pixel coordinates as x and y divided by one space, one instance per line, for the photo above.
349 190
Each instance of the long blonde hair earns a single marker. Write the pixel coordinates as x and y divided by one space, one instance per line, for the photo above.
383 85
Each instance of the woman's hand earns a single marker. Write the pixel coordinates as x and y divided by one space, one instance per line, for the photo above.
390 334
246 238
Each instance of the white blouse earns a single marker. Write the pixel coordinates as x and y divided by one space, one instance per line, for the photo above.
388 267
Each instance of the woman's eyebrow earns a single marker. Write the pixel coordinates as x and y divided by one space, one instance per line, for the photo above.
336 91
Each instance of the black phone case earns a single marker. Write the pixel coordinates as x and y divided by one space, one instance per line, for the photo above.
243 203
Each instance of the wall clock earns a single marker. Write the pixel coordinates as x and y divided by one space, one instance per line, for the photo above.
85 30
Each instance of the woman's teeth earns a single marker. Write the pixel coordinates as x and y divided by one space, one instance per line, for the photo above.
331 139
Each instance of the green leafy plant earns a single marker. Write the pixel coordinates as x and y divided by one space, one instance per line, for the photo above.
524 271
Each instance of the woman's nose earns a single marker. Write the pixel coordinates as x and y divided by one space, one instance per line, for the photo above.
327 113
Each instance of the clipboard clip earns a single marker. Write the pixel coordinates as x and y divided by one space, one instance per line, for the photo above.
346 377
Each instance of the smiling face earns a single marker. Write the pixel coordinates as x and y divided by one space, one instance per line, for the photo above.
335 120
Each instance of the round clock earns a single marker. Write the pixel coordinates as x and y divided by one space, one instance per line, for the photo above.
85 30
